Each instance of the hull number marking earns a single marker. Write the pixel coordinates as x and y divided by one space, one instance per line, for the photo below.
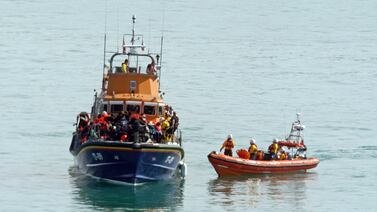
97 156
169 159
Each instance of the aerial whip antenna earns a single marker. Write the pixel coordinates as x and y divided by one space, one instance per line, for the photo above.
104 47
104 43
117 40
133 29
162 42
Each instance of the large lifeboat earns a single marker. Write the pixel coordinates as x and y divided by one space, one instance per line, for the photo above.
131 135
294 160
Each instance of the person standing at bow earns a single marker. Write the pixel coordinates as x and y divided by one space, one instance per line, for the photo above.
228 145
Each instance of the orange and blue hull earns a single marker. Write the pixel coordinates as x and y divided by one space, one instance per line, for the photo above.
130 163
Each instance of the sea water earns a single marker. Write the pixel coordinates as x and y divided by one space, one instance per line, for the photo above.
240 67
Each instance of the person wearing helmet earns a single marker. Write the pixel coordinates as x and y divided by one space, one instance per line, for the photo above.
165 125
273 149
253 149
228 145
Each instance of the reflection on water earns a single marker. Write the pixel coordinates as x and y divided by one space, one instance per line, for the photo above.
97 194
287 189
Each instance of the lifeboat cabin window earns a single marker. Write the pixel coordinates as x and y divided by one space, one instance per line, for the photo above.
116 106
133 106
103 107
132 85
150 108
161 109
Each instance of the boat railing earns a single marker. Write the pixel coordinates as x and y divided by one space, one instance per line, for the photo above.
94 134
136 67
177 137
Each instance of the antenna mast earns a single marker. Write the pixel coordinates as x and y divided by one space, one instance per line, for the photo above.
133 29
104 54
162 42
104 48
160 62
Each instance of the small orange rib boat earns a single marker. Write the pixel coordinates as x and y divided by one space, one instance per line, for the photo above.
297 160
226 165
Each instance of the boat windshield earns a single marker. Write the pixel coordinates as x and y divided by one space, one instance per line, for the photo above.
142 64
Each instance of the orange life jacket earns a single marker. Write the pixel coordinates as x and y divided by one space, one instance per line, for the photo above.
123 138
228 145
260 155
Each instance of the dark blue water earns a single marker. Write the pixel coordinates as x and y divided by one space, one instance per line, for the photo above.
243 67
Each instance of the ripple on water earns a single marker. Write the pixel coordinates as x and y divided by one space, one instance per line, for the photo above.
364 152
104 195
368 148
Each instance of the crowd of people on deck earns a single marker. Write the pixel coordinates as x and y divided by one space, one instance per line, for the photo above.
275 151
129 127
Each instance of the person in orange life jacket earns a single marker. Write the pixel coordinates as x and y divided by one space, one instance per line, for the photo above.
102 118
96 120
253 149
86 132
228 145
273 149
103 125
123 138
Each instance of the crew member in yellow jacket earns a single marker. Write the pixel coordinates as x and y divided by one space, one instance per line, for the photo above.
253 149
165 126
125 66
273 149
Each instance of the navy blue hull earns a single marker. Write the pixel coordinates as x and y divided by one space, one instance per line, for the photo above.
129 163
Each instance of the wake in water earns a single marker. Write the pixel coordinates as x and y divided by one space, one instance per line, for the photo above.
102 195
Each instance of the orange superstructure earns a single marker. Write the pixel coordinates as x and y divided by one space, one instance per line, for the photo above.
123 90
146 86
131 81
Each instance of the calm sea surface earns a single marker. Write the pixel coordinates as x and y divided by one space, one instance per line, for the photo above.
244 67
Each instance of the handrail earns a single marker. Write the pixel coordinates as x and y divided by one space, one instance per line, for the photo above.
128 54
